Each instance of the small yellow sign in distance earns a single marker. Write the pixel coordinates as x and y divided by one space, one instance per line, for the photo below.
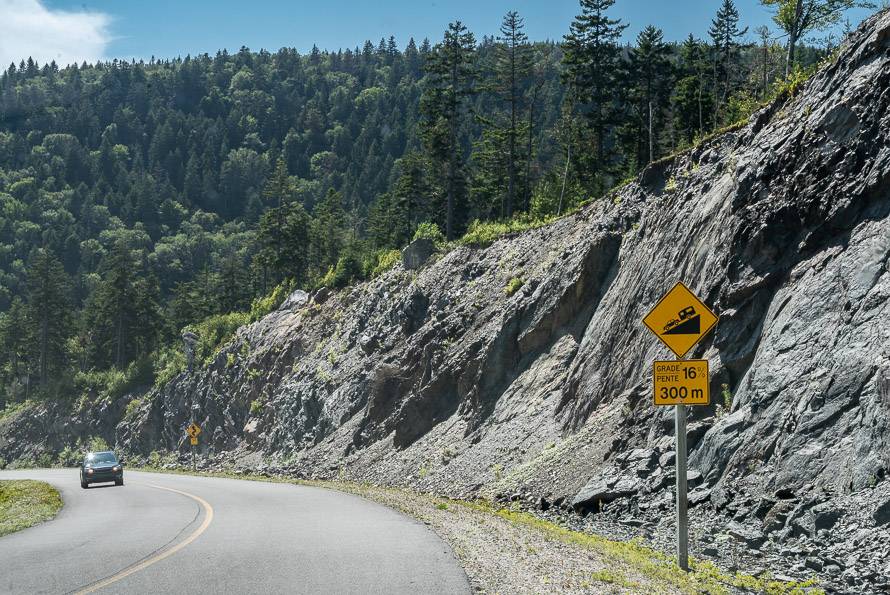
680 319
681 382
194 440
193 430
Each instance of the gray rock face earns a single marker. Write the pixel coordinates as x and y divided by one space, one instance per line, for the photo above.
439 380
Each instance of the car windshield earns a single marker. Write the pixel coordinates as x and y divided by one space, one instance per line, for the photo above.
101 457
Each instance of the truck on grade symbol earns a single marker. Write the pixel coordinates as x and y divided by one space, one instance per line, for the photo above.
683 314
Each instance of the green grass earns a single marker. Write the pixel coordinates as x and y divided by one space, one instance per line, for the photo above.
25 503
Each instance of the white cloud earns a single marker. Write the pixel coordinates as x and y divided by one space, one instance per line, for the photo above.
28 28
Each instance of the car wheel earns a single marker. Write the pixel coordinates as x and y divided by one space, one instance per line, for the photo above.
84 484
119 482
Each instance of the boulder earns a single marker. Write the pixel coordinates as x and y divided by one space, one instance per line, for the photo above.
881 515
295 301
602 490
826 515
415 254
750 536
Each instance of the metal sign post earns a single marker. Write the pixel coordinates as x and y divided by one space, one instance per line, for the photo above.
682 515
193 430
189 340
680 320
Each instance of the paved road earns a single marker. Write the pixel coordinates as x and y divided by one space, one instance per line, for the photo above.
180 534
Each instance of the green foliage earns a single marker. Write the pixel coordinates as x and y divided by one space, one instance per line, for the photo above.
385 260
483 233
69 456
256 407
137 199
112 383
348 269
266 305
727 396
96 444
132 408
213 333
429 231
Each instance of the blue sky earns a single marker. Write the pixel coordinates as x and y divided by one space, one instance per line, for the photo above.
86 30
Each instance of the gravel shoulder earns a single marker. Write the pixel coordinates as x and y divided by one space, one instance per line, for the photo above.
25 503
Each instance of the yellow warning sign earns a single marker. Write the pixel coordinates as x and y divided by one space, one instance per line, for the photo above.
681 382
194 440
193 430
680 319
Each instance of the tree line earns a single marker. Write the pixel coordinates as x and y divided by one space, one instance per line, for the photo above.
137 198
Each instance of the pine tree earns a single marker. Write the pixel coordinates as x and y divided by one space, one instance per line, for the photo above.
725 33
693 102
17 344
284 239
450 68
278 192
591 55
48 312
514 63
649 73
122 312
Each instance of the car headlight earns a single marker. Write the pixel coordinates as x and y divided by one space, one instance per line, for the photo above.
116 468
89 471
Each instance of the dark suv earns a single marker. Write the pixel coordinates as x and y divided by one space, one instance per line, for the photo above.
100 467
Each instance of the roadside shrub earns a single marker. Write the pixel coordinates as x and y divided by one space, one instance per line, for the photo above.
69 456
154 459
44 459
256 407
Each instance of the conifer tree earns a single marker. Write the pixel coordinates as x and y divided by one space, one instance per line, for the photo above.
725 34
649 73
591 54
451 71
693 102
514 63
48 312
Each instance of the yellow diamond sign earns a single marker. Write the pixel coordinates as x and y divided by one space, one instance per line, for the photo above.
680 320
193 430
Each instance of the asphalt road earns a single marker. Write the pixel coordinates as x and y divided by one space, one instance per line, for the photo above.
180 534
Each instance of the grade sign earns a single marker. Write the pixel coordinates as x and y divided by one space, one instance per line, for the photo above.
681 382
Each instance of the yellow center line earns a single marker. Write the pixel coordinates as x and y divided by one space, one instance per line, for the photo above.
208 517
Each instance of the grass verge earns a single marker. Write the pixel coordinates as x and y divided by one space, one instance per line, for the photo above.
25 503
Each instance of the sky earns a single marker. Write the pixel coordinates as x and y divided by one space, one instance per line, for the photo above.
89 30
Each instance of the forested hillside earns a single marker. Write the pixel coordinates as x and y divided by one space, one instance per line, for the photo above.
142 197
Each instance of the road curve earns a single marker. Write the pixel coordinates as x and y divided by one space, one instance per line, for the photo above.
181 534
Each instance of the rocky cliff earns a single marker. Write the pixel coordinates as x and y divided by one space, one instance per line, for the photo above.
521 369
